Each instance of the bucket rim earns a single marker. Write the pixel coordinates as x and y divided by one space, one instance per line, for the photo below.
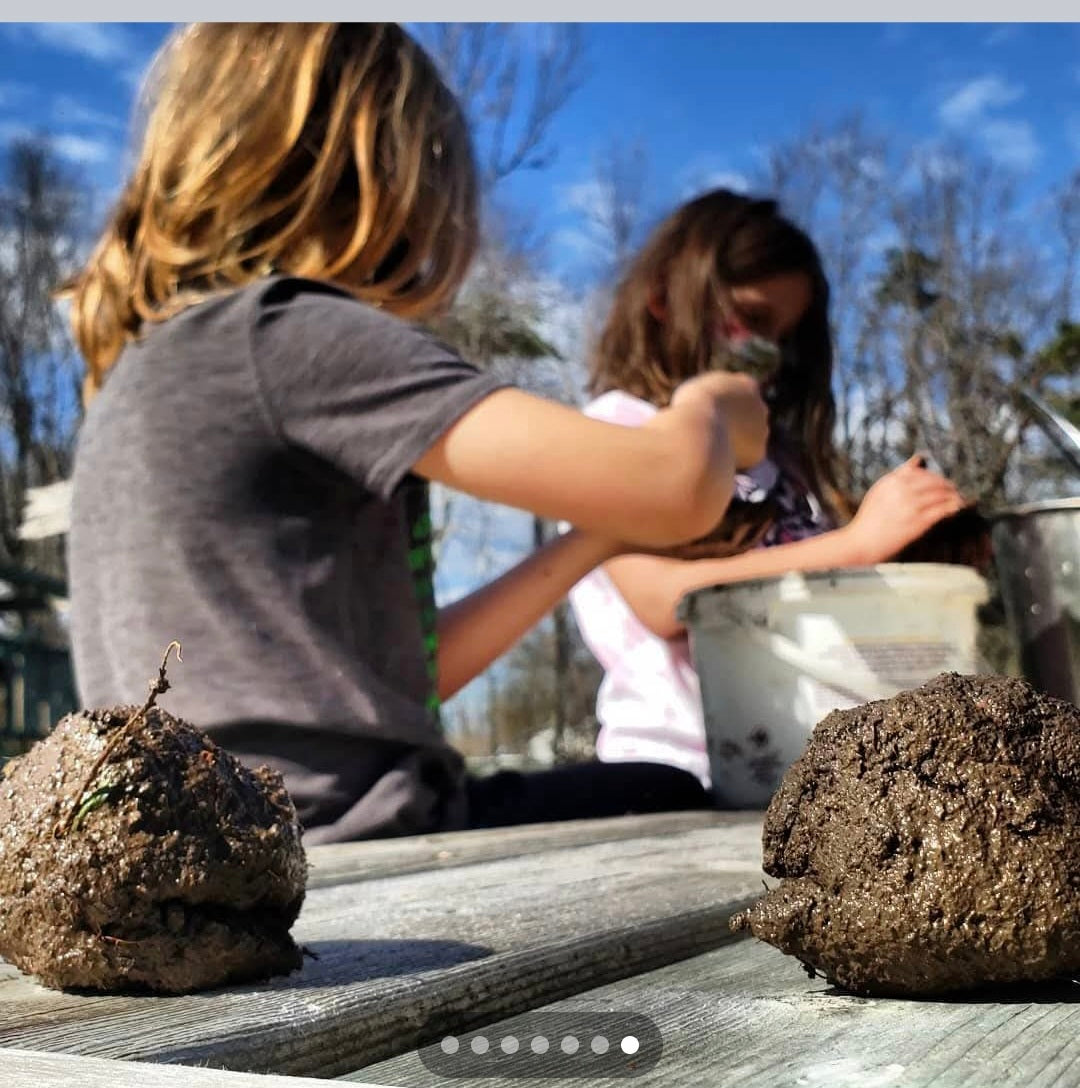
795 581
1043 506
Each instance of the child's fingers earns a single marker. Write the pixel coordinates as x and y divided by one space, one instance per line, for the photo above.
930 484
937 509
916 460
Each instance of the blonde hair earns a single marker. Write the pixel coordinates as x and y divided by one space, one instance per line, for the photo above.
327 150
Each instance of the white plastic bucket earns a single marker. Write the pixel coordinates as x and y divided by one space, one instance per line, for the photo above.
775 656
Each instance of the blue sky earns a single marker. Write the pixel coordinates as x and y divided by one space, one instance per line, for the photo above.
704 100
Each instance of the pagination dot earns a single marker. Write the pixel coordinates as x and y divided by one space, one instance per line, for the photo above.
509 1045
480 1045
630 1045
539 1045
449 1045
570 1045
599 1045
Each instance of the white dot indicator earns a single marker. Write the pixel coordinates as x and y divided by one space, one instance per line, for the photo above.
539 1045
629 1045
479 1045
599 1045
570 1045
449 1045
509 1045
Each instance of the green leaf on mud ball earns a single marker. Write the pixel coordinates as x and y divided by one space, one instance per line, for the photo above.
92 801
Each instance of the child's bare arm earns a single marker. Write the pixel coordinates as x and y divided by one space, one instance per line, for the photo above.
898 509
476 630
664 482
653 585
656 485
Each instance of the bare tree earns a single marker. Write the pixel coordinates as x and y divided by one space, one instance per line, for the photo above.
39 400
512 79
942 305
963 305
612 207
535 699
1068 222
831 180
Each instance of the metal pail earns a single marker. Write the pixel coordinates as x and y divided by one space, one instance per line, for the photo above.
1037 551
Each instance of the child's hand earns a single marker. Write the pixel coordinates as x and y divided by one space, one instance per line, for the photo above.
899 508
736 401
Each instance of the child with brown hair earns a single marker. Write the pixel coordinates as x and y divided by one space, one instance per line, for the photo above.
263 421
727 284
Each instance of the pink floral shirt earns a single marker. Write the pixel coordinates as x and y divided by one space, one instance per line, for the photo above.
649 703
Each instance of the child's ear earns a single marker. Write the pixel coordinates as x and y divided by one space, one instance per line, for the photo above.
657 303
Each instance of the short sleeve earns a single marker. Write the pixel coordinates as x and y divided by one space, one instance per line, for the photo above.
361 389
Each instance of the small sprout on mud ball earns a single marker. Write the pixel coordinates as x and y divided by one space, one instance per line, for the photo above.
79 808
99 797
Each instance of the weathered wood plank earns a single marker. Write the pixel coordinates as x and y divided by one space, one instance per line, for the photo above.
403 959
348 863
746 1016
27 1067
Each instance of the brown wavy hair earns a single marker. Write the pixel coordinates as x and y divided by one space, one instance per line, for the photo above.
327 150
722 240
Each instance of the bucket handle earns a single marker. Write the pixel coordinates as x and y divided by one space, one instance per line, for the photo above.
863 689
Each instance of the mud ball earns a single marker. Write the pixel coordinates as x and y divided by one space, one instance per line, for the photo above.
175 869
930 843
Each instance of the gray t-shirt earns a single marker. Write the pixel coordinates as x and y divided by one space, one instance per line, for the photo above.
242 484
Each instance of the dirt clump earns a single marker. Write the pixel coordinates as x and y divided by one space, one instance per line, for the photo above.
930 843
137 854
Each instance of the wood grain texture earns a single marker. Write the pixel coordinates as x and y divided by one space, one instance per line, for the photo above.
348 863
745 1016
404 959
29 1068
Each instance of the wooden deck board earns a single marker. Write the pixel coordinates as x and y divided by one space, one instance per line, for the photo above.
20 1068
404 957
745 1016
353 862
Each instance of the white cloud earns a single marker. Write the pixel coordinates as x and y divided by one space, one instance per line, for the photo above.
971 108
1011 143
725 179
76 149
998 35
929 159
711 172
972 101
590 241
591 197
82 150
102 42
70 111
577 244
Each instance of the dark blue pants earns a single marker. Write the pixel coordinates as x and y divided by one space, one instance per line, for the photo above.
581 791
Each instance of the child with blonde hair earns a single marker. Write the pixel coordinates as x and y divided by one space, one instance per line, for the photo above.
264 418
